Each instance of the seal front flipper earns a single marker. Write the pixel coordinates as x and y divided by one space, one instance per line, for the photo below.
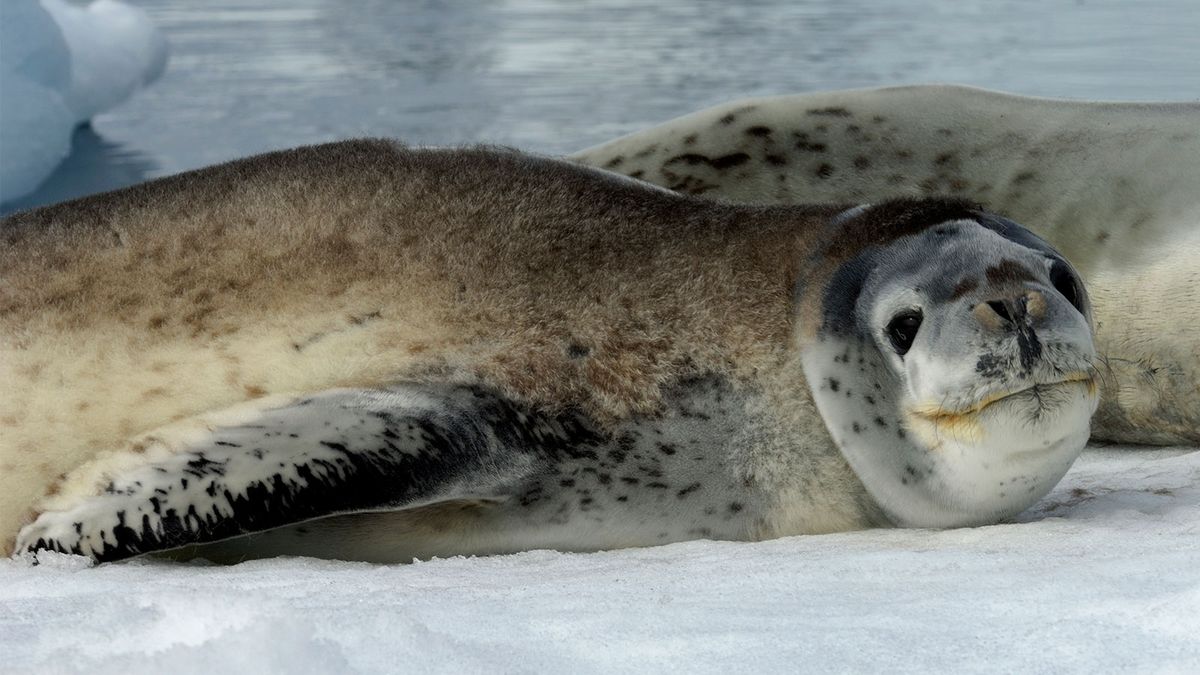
336 452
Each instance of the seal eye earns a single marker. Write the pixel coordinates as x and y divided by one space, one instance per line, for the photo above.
902 330
1065 283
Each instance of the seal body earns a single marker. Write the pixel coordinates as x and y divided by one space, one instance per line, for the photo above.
1114 186
364 351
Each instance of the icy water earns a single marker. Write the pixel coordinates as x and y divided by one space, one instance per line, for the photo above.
554 76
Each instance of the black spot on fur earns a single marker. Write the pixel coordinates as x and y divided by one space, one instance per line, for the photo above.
360 319
807 146
651 471
759 131
719 163
626 443
989 365
531 497
727 161
830 112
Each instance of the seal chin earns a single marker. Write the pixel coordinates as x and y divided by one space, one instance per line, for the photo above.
1064 402
997 458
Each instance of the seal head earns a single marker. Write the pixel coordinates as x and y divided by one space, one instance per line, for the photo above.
950 353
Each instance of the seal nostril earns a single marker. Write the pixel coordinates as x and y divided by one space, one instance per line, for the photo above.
999 307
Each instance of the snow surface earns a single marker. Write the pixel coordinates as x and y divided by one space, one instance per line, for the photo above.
1102 575
61 64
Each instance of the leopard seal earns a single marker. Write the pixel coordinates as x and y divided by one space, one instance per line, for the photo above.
1114 186
361 350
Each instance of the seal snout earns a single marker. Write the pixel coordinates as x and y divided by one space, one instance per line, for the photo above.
1019 315
1010 313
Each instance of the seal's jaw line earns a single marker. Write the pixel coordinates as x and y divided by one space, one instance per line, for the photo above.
1009 424
939 415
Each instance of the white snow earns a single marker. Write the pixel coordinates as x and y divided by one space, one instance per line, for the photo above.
1103 575
60 65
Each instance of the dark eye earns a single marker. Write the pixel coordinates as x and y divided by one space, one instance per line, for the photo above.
1065 283
902 330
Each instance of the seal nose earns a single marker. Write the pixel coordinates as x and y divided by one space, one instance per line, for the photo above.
1007 313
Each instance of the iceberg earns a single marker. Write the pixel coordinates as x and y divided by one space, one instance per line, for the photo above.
60 65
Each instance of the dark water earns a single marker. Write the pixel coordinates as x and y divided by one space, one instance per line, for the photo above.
554 76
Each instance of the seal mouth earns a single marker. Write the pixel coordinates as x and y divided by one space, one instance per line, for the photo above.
940 416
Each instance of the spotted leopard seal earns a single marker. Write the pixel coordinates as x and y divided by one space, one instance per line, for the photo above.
1114 186
365 351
